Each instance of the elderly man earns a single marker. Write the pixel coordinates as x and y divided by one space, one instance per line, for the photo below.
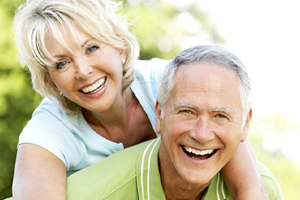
203 112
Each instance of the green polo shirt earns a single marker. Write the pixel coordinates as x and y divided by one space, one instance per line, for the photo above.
133 173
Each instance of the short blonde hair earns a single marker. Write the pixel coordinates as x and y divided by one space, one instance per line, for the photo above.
96 18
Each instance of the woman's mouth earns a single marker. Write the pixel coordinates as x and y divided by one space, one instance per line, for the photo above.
95 87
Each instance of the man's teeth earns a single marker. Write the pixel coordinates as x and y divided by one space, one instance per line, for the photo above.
93 87
197 152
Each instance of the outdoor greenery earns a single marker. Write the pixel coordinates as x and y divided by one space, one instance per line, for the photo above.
159 27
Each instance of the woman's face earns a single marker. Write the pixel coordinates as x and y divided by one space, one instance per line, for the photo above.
88 72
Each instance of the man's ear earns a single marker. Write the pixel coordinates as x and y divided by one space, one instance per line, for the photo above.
157 117
246 127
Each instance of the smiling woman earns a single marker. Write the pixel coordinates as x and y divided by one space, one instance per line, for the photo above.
84 64
94 105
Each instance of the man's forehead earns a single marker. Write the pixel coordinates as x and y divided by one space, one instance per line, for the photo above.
207 77
206 85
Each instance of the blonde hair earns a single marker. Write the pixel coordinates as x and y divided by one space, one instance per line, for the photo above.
96 18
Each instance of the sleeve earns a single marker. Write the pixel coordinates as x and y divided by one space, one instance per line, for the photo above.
157 69
145 85
49 131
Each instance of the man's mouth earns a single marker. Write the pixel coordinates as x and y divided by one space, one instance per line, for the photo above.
199 154
95 87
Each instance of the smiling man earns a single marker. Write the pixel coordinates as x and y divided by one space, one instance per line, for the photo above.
203 112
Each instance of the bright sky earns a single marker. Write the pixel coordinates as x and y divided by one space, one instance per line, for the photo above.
265 34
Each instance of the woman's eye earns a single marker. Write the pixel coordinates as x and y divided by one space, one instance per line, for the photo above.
92 49
60 65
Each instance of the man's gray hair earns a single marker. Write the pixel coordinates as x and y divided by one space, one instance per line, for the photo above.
209 54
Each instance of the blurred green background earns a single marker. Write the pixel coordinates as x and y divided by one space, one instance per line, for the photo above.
156 25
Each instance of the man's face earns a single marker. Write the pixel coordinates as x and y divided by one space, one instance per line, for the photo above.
202 126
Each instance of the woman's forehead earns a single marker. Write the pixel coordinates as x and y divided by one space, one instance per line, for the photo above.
65 38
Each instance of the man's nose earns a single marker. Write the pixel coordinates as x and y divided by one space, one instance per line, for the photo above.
202 131
83 68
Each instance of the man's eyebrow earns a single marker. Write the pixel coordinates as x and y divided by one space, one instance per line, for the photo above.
180 105
222 110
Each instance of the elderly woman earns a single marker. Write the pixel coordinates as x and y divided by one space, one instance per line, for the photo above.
98 98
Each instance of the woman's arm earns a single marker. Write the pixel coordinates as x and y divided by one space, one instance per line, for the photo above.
39 174
242 175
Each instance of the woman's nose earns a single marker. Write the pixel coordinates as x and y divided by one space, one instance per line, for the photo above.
83 69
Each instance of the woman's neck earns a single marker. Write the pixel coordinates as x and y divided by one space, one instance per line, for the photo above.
125 122
116 115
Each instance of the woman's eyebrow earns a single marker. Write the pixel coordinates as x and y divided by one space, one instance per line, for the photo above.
84 44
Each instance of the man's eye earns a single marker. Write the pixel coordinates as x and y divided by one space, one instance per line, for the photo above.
186 111
221 116
92 49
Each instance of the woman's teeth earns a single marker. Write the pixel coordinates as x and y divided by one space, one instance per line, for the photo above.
95 87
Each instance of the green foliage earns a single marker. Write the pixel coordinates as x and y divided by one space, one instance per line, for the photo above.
17 98
158 27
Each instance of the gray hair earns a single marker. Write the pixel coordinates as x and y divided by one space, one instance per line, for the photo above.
97 18
206 53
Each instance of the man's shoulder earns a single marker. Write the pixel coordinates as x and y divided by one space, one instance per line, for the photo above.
109 177
218 190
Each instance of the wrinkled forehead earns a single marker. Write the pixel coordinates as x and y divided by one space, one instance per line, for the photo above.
208 80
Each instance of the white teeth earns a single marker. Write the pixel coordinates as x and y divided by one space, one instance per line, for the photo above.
93 87
197 152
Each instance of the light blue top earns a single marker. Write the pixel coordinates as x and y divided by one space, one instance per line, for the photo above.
71 139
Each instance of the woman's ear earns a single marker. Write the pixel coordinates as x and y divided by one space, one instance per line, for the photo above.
123 55
49 81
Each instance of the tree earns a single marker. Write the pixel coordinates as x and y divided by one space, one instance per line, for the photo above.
17 98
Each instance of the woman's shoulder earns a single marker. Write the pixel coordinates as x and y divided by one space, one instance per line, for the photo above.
53 113
50 107
51 128
149 69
